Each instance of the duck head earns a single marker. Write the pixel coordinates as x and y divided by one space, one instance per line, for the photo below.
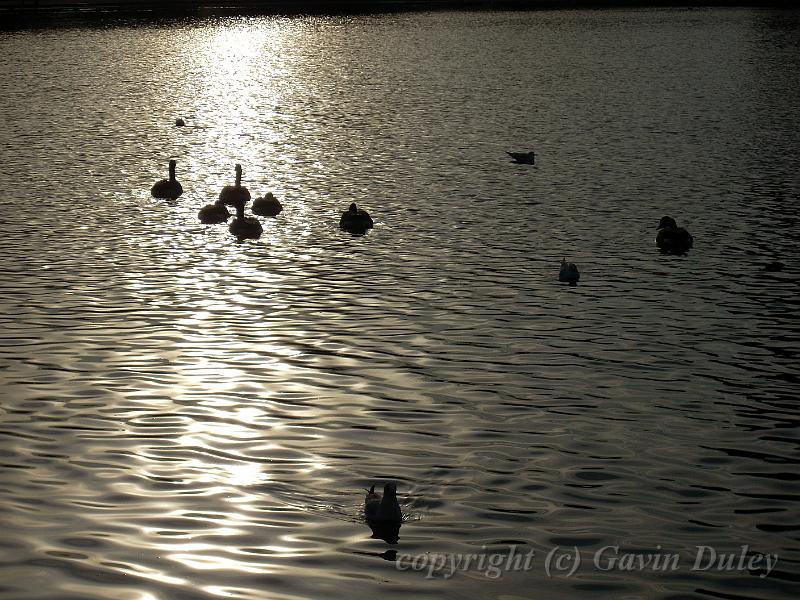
353 209
667 223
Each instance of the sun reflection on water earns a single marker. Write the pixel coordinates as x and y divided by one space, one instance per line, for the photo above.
241 74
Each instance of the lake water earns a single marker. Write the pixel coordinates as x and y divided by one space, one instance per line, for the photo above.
188 417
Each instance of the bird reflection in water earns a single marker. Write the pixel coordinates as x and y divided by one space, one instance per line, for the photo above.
388 555
388 532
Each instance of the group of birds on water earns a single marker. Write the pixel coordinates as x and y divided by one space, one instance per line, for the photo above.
382 512
670 239
354 219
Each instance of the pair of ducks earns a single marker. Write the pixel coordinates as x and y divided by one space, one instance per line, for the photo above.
670 239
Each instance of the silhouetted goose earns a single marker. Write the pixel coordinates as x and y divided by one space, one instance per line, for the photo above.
569 272
214 213
525 158
672 239
386 508
232 195
268 206
245 228
355 220
167 188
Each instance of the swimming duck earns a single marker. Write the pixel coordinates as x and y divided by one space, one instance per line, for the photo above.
672 239
386 508
245 228
214 213
167 188
268 206
569 272
355 220
179 122
525 158
232 195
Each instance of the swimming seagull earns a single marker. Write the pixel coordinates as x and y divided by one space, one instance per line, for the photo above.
525 158
672 239
167 188
569 272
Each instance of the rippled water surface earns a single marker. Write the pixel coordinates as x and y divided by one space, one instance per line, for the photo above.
185 416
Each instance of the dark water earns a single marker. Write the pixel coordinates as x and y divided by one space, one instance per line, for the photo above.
188 417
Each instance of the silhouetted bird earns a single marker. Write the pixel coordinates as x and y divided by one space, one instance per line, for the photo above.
355 220
268 206
525 158
672 239
386 508
233 195
168 188
213 213
569 272
179 122
245 227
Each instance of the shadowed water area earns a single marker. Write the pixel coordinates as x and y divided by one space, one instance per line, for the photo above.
188 417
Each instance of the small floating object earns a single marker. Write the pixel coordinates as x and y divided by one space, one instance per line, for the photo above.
233 195
523 158
569 272
179 122
355 220
213 213
386 508
168 188
672 239
774 267
268 206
